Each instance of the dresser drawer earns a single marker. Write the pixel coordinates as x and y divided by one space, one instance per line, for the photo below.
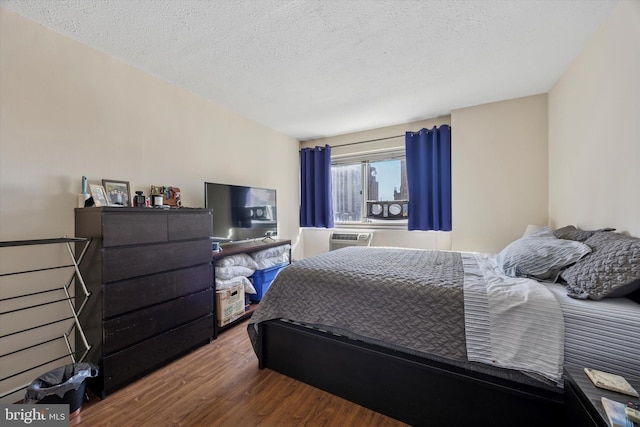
127 295
131 261
190 225
128 365
133 229
131 328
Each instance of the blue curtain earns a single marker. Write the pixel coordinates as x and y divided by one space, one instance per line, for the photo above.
316 209
428 154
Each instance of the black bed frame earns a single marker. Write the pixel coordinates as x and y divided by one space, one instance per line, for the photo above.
411 389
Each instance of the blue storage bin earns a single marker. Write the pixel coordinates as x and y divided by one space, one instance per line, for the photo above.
262 279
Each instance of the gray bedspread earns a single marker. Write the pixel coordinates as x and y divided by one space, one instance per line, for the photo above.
404 298
451 307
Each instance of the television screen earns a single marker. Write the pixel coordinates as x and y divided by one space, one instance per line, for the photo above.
239 212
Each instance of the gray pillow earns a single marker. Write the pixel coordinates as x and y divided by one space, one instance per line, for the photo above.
570 232
540 255
611 270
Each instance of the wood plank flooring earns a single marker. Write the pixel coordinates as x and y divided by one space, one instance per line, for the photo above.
220 385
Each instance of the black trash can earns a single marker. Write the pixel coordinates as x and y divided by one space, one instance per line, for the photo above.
65 384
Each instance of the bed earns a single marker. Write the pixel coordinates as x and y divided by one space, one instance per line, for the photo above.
404 332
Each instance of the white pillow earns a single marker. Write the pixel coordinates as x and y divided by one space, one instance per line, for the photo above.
232 271
270 252
243 260
531 228
540 255
230 283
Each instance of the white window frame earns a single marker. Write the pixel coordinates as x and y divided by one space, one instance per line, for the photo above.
363 159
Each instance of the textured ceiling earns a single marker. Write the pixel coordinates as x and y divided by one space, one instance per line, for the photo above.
313 68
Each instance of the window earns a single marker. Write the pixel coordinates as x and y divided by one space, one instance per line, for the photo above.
359 181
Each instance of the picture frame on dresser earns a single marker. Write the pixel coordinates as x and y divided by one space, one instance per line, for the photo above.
118 193
99 195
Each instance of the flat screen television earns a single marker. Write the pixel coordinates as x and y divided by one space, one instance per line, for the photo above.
240 212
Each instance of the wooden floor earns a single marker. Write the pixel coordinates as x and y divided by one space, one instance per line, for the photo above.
220 385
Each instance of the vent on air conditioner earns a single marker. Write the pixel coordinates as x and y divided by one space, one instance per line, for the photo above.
341 240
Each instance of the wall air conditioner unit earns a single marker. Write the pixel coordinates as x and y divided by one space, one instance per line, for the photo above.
342 240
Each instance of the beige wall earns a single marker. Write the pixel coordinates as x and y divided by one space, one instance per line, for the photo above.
499 173
67 110
375 139
594 130
499 168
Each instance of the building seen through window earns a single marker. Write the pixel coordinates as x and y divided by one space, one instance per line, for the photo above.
353 184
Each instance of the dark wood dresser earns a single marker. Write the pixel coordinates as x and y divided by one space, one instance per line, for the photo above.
151 278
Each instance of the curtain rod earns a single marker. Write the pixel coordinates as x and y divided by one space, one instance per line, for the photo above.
368 140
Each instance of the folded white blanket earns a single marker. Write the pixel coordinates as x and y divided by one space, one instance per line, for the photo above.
274 260
229 283
243 260
271 252
233 271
